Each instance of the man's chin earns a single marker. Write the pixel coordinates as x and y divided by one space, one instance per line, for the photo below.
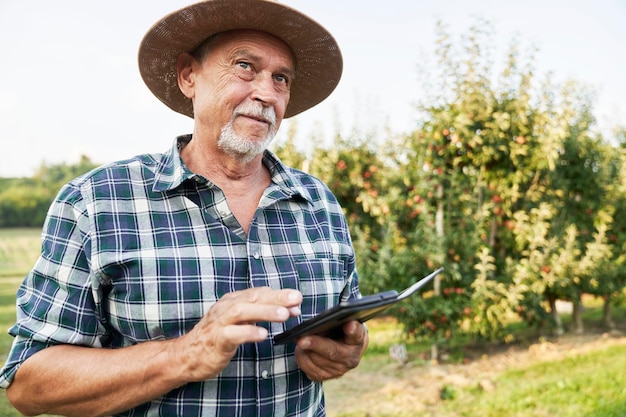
243 152
245 145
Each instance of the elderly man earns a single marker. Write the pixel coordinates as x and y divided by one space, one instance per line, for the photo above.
164 278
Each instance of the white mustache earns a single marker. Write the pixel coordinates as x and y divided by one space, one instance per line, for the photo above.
257 111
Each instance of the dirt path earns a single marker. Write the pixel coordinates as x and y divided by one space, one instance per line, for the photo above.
392 387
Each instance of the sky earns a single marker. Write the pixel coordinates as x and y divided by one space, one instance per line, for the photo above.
70 84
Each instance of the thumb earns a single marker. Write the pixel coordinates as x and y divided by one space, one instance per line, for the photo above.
354 333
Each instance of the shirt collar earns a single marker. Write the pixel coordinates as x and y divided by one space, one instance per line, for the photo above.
286 179
172 172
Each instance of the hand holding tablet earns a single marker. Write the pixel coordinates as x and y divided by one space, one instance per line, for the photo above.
361 309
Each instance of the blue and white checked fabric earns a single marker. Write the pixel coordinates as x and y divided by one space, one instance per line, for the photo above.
141 249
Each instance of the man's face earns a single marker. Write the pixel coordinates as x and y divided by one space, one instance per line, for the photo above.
245 77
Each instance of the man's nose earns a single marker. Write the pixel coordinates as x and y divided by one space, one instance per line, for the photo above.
264 89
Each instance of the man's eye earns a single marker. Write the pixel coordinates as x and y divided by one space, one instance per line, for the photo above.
244 65
283 79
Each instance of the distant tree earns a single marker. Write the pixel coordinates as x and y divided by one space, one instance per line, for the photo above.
506 183
56 175
24 202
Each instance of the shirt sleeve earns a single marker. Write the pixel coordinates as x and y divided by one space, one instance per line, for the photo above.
57 301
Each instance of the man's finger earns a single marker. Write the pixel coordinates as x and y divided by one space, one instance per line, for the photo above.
257 304
236 335
266 295
244 313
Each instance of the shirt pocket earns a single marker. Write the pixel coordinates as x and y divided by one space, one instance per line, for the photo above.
320 280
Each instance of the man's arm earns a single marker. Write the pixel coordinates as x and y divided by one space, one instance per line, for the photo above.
81 381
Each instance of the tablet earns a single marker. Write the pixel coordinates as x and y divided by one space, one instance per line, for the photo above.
362 309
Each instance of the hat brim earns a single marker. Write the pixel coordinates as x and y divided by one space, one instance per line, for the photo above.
318 59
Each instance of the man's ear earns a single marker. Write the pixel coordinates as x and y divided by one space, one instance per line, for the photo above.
186 76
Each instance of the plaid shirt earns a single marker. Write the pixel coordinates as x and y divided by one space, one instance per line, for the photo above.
141 249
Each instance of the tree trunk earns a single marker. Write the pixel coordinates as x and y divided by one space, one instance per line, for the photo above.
434 354
558 324
607 316
577 317
493 233
439 229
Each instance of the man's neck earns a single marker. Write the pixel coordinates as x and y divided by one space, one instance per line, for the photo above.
243 183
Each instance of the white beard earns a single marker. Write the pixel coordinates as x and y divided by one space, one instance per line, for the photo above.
243 149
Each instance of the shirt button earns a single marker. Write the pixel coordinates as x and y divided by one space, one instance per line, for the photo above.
265 374
256 255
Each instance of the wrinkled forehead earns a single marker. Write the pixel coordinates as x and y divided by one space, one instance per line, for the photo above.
242 38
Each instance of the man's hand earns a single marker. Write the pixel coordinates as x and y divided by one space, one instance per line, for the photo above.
322 358
208 348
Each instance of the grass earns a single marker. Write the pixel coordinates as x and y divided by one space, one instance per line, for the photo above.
571 376
585 383
585 379
19 249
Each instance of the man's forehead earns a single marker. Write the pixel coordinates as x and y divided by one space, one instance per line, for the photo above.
246 37
284 65
254 46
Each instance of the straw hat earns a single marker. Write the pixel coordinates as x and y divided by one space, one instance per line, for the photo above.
318 59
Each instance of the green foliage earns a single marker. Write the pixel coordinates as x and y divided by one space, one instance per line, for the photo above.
24 202
435 317
495 301
447 392
521 179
